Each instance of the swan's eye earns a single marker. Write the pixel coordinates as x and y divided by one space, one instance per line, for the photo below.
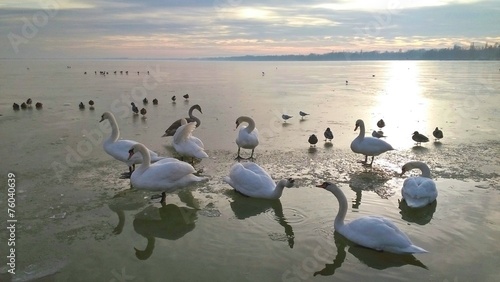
131 151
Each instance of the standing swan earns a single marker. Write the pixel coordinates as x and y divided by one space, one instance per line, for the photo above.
186 144
248 136
421 190
118 148
173 127
166 175
253 181
373 232
368 146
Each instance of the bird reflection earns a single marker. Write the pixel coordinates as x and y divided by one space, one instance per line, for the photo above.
420 216
123 202
169 222
369 257
371 180
245 207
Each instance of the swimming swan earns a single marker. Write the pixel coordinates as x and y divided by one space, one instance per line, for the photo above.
253 181
373 232
421 190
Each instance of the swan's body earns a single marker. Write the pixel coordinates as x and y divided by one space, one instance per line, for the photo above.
437 133
368 146
248 136
118 149
164 176
373 232
419 138
253 181
328 134
421 190
176 124
186 144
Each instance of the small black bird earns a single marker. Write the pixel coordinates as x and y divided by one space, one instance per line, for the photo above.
438 134
173 98
38 105
186 96
28 102
145 101
328 134
15 106
134 108
143 112
155 101
81 106
91 102
380 123
313 140
23 106
419 138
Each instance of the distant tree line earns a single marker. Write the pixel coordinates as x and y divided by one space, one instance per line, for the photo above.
486 52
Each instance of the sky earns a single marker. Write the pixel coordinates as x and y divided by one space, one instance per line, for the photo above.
213 28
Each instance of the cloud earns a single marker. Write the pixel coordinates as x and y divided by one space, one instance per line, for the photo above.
155 28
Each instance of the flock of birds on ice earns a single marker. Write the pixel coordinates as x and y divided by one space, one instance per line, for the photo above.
164 174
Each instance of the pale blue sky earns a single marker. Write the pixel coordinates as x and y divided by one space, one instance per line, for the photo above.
204 28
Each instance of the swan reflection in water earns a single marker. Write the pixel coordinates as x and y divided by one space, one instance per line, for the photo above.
246 207
371 258
127 200
169 222
420 216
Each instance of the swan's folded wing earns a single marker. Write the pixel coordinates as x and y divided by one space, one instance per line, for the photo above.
119 150
168 171
264 177
419 187
244 180
377 233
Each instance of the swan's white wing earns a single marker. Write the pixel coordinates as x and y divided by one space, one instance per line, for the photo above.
160 176
247 140
250 179
119 149
370 146
377 233
419 191
184 132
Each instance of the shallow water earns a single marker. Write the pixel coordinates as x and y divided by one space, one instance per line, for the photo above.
78 221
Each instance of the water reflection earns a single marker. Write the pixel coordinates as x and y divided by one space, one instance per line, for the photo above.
369 257
245 207
124 201
420 216
372 180
169 222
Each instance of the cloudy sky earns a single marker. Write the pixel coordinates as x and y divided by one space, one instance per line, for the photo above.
205 28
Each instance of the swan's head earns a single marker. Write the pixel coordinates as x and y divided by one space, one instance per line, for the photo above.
238 122
106 115
131 152
289 182
324 184
197 107
359 122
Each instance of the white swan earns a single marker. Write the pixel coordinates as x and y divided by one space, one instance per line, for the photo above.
253 181
248 136
186 144
176 124
118 148
368 146
164 176
373 232
421 190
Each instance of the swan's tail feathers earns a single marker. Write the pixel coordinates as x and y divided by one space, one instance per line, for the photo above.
201 154
415 250
227 179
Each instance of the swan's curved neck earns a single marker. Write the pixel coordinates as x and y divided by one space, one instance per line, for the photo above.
339 219
361 130
426 172
278 190
115 132
251 123
190 114
145 156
